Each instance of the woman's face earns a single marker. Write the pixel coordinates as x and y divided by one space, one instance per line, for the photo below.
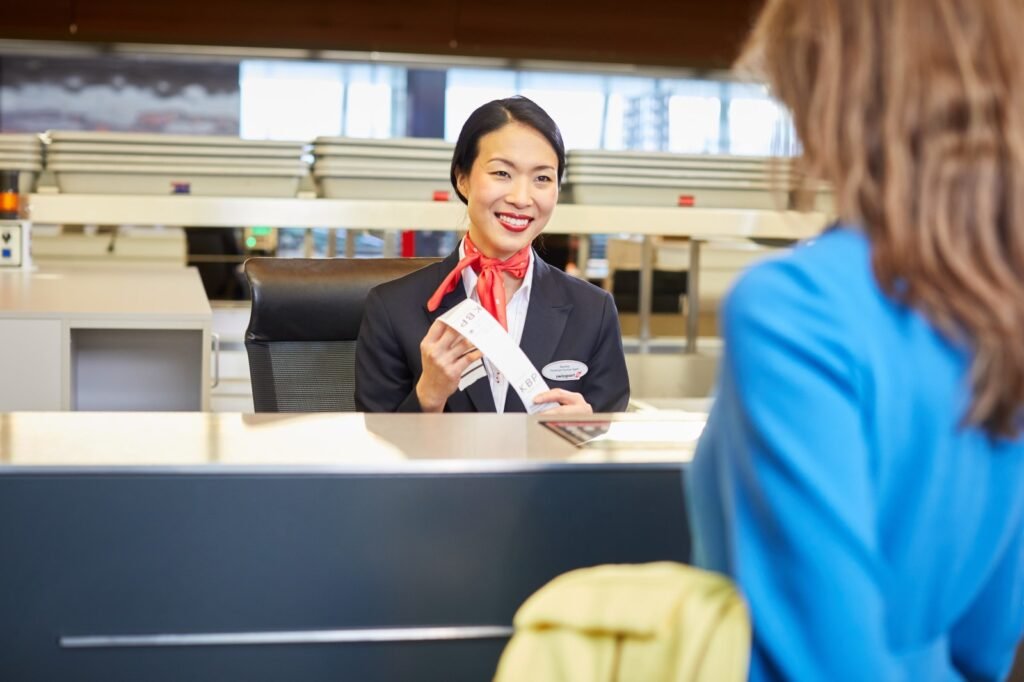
511 189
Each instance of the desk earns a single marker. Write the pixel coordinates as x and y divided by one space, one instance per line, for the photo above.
309 547
90 340
353 441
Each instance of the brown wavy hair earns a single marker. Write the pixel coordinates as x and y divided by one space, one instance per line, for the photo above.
913 110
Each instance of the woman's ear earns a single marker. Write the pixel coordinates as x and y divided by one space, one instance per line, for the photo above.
462 184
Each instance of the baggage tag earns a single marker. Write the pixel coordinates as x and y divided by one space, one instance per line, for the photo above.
481 329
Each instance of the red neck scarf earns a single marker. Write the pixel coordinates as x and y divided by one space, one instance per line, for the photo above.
489 285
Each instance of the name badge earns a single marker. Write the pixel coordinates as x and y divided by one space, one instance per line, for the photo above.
564 370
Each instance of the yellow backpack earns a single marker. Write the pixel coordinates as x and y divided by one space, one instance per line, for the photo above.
630 623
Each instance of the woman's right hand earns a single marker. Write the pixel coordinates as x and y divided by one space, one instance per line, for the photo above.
445 355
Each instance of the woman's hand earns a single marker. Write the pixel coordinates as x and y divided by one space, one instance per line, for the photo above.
445 355
568 402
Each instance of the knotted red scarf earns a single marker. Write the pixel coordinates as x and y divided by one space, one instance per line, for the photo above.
489 285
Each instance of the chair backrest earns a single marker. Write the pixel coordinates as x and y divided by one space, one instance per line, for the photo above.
304 327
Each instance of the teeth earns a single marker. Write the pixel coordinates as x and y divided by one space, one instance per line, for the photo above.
514 222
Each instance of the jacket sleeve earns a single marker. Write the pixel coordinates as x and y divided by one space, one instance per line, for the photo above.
606 384
785 456
984 639
384 380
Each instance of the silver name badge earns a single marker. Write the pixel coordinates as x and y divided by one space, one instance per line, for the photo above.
564 370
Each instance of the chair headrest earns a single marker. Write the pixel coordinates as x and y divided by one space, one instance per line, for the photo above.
316 299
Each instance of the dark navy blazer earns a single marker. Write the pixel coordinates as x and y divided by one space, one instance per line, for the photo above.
567 319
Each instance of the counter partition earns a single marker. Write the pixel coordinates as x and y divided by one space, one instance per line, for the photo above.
168 546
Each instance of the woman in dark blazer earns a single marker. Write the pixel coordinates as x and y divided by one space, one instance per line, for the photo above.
506 167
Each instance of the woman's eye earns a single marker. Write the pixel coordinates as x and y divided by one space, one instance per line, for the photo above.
543 178
501 174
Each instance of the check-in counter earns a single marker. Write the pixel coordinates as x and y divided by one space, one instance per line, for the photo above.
171 546
80 339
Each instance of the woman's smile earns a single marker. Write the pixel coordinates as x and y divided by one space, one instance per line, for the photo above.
514 222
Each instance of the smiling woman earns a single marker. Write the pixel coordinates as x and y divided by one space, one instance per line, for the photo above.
507 169
511 190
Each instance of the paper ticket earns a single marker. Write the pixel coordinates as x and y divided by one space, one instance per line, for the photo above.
471 374
481 329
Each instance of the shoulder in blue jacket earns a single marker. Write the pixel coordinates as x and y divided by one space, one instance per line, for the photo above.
875 536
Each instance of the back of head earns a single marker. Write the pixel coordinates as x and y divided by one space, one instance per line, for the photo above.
914 111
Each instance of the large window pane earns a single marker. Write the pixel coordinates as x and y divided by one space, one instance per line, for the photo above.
758 125
467 89
575 101
302 100
290 100
694 124
374 107
622 92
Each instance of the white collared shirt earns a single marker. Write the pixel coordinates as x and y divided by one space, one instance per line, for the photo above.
515 315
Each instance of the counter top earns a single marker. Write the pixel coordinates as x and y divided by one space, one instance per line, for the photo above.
85 293
337 441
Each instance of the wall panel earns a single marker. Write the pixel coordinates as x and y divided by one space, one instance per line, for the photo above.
691 33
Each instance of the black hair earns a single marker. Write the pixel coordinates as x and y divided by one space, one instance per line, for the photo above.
497 114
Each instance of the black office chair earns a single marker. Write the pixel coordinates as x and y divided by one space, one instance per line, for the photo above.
304 326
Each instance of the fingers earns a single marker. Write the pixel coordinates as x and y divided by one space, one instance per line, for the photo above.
473 355
560 396
568 402
443 344
560 409
453 341
459 366
457 351
440 334
446 354
436 331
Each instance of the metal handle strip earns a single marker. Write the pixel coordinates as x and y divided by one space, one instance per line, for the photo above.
645 302
349 636
693 297
215 337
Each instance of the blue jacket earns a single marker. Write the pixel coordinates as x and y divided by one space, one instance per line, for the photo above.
874 536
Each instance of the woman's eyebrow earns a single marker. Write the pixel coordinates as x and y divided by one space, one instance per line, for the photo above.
499 159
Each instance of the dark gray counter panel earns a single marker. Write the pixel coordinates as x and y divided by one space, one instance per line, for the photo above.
90 554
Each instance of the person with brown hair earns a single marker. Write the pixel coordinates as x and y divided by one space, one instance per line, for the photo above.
861 475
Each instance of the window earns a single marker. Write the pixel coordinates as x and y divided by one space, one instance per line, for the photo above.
290 100
687 116
693 124
575 101
286 100
467 89
375 102
695 116
758 125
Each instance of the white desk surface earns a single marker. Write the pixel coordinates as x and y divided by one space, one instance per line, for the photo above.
340 441
124 294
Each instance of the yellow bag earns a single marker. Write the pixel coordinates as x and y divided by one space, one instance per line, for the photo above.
630 623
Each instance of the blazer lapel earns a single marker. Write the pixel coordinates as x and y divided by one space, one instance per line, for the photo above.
479 392
546 317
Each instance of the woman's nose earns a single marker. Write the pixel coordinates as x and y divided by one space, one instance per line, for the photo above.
519 194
